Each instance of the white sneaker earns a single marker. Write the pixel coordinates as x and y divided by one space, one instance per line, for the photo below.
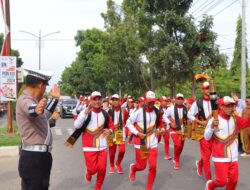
244 154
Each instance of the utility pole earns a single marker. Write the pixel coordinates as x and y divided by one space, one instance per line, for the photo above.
39 37
243 52
40 47
8 53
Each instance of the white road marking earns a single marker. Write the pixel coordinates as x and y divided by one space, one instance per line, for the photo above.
58 131
70 131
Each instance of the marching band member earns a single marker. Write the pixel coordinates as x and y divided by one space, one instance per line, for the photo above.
165 103
119 117
145 124
223 134
200 112
246 132
79 107
98 125
176 117
141 104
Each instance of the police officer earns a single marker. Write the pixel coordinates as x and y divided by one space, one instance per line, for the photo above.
32 114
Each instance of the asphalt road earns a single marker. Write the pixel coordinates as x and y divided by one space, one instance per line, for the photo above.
69 169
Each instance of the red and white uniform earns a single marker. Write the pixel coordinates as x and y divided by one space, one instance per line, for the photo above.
112 149
130 111
79 107
94 144
166 136
205 145
131 136
136 125
177 139
225 149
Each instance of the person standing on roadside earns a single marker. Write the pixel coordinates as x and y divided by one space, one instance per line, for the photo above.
32 115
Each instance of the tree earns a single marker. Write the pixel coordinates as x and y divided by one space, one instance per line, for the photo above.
228 80
85 73
145 44
174 47
122 51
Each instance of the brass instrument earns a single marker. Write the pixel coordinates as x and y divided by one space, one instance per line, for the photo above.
144 151
188 130
119 136
110 139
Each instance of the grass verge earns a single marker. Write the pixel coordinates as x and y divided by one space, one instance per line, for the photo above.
9 139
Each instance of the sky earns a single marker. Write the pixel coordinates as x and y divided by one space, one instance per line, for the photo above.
67 16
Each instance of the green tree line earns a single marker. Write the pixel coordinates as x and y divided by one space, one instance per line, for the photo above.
150 44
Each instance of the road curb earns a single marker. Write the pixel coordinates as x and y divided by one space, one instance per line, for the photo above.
9 151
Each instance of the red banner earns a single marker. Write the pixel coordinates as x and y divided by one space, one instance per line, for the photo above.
4 50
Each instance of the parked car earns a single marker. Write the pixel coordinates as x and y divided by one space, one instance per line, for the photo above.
66 107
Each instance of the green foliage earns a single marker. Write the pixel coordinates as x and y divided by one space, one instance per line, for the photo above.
146 44
9 140
85 73
1 40
228 80
235 64
19 60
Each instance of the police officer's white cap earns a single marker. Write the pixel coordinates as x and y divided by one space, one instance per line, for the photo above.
43 75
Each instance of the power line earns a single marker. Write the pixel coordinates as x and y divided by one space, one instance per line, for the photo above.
210 8
232 48
225 8
226 48
228 34
195 2
221 36
200 8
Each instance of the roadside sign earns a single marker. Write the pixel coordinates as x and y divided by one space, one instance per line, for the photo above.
7 78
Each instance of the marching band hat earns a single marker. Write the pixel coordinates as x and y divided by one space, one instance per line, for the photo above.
205 85
115 96
141 99
164 98
130 100
227 100
179 95
81 98
150 96
95 94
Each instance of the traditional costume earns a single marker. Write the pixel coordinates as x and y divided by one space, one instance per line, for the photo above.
119 117
145 120
224 141
202 110
94 143
176 115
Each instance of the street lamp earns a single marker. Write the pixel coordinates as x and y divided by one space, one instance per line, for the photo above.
39 41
